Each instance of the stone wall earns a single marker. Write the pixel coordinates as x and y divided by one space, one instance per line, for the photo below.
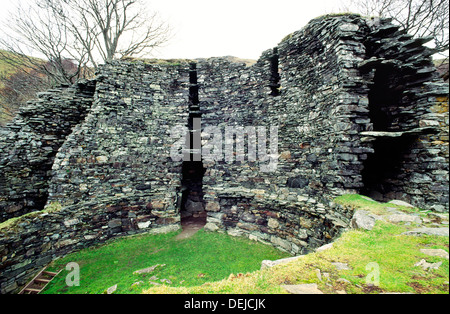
29 144
122 150
354 104
410 141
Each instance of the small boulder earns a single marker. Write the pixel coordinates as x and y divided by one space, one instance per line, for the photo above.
363 220
302 289
401 203
111 290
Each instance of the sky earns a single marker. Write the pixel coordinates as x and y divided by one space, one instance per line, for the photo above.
240 28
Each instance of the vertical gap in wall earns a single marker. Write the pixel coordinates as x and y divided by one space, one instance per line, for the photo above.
192 209
274 73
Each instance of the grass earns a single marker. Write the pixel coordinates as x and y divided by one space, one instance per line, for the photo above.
359 202
217 264
205 257
384 247
394 256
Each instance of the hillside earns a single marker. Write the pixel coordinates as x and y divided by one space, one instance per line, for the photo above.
6 69
25 85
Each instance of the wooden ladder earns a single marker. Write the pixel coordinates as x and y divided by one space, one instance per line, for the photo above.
38 283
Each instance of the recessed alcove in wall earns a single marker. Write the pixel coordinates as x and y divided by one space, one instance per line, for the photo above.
386 170
274 73
384 98
192 204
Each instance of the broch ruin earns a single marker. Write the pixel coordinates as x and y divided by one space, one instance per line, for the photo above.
355 104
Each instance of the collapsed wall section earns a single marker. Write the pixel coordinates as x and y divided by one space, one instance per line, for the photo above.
29 144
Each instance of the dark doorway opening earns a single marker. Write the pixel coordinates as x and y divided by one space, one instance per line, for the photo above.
192 204
386 171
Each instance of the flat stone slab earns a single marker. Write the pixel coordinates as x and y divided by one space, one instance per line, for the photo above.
269 264
427 266
341 266
435 252
401 203
148 269
324 247
430 231
404 218
302 289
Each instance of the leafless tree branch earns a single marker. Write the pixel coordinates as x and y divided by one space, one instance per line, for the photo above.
420 18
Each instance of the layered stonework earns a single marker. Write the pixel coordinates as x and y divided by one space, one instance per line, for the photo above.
355 105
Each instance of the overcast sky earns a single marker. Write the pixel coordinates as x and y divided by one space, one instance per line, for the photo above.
241 28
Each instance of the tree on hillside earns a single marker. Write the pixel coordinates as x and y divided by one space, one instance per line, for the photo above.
16 90
89 32
22 85
420 18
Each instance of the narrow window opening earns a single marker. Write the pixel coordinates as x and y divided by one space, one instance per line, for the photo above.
274 74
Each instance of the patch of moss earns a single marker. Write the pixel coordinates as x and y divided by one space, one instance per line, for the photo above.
13 222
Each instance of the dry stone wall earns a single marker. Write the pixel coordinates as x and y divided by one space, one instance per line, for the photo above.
29 144
345 105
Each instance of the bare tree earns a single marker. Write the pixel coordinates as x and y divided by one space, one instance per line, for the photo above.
88 32
420 18
54 42
36 43
110 29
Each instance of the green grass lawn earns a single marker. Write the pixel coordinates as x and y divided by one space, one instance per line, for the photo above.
205 257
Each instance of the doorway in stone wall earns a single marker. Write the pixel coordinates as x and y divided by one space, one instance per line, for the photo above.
387 170
192 208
